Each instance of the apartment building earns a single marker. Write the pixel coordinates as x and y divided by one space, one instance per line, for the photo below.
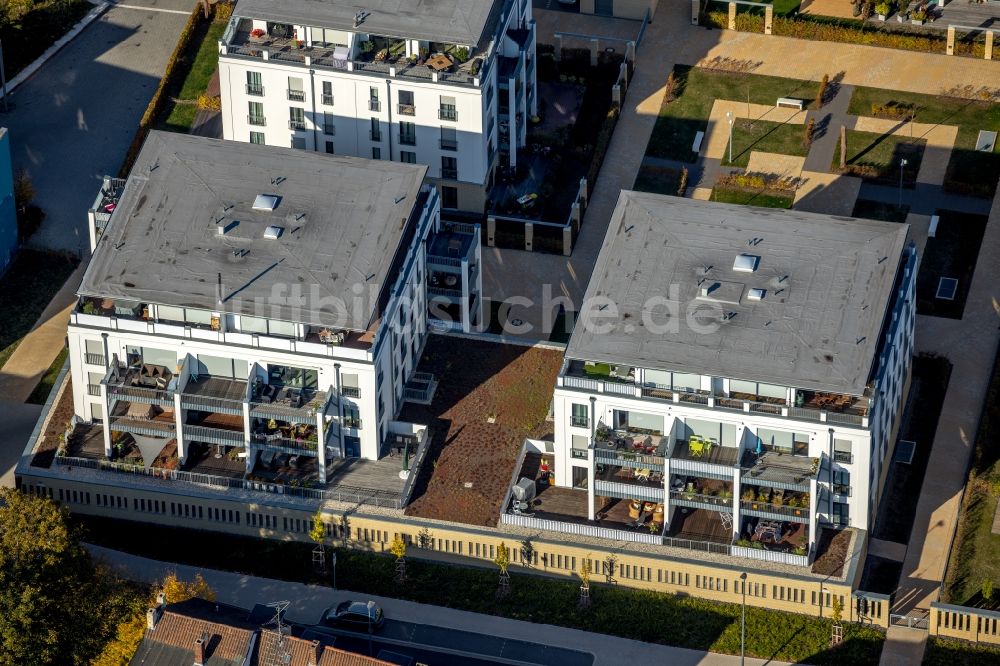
447 84
737 376
260 307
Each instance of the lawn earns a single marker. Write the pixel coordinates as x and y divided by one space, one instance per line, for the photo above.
877 157
950 652
952 252
695 92
746 198
897 507
640 615
27 39
658 180
880 210
969 172
975 555
184 110
48 380
765 136
32 280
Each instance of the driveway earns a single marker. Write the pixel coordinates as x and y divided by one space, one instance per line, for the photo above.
73 120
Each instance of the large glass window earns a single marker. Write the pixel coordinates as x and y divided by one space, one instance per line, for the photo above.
842 450
296 89
580 417
579 477
220 366
637 422
723 433
580 445
407 133
255 85
285 375
784 442
841 514
139 355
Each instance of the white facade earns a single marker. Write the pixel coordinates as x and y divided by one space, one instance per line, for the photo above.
322 90
359 376
847 448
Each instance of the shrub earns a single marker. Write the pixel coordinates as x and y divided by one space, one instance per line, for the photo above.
810 130
821 91
894 110
209 102
601 146
682 185
670 91
987 590
223 12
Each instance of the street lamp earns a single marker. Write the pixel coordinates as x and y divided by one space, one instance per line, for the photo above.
743 619
730 119
902 163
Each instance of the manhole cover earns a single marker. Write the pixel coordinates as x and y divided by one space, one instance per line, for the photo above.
516 322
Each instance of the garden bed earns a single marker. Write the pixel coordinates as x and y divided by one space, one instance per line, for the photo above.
692 92
203 55
59 419
765 136
754 189
666 619
952 652
876 157
952 253
832 549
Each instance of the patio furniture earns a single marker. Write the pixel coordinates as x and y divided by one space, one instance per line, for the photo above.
643 474
439 62
696 447
726 519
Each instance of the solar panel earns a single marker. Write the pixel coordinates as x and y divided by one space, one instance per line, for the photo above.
904 451
947 288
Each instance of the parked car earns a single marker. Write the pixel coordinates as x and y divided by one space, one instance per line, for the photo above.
355 615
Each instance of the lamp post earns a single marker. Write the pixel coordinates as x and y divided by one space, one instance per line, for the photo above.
729 119
743 619
902 164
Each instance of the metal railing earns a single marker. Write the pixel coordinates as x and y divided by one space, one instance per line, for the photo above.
627 458
704 500
450 174
285 444
375 135
449 144
778 509
329 130
694 544
374 105
406 109
777 556
255 90
447 113
579 454
843 457
214 435
296 124
579 421
581 530
350 391
94 390
259 121
95 359
327 99
408 139
140 394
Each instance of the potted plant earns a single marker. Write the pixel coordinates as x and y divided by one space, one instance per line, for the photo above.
882 10
919 15
747 495
257 33
900 17
726 496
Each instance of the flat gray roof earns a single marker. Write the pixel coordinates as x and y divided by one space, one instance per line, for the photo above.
827 282
341 219
463 22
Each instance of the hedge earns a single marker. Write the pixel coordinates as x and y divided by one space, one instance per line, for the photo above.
856 32
601 146
155 105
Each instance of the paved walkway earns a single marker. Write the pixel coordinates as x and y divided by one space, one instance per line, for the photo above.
73 120
308 602
970 345
829 119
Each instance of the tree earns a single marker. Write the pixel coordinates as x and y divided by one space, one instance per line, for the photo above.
50 591
398 548
586 569
318 535
502 560
177 590
12 11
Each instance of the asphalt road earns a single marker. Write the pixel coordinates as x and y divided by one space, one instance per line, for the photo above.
441 646
72 122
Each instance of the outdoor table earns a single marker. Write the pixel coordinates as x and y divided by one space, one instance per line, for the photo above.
439 62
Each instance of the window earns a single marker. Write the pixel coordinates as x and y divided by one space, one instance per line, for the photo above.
579 444
376 153
296 118
328 126
447 110
449 197
407 134
256 115
254 85
841 516
299 142
257 137
329 147
785 442
842 482
579 417
95 352
373 102
296 92
328 93
407 157
579 477
449 138
406 107
842 451
449 168
375 133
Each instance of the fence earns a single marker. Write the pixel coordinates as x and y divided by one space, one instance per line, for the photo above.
581 530
970 624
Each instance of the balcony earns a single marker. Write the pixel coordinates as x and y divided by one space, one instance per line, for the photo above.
286 404
259 121
141 383
255 90
406 109
705 450
215 394
779 470
297 125
628 459
448 144
296 95
447 113
328 100
374 105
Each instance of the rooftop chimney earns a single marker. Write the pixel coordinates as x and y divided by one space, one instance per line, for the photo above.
152 617
199 652
315 653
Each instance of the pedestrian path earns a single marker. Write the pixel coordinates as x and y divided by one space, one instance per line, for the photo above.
309 601
829 119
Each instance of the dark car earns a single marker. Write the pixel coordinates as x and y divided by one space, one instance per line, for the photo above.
355 615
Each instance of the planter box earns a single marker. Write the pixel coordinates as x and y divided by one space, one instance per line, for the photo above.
917 21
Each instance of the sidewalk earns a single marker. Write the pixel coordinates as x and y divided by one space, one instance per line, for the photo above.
308 601
41 345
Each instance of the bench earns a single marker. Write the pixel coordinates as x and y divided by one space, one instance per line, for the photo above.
698 138
790 103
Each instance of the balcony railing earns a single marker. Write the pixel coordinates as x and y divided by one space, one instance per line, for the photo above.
296 124
259 121
94 390
374 105
328 100
447 113
579 421
579 454
778 509
350 422
449 144
285 444
408 139
841 489
350 391
255 90
843 457
296 95
96 359
214 435
715 501
406 109
627 458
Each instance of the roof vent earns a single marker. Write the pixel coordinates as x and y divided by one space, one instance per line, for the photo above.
224 226
746 263
756 294
266 202
273 232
